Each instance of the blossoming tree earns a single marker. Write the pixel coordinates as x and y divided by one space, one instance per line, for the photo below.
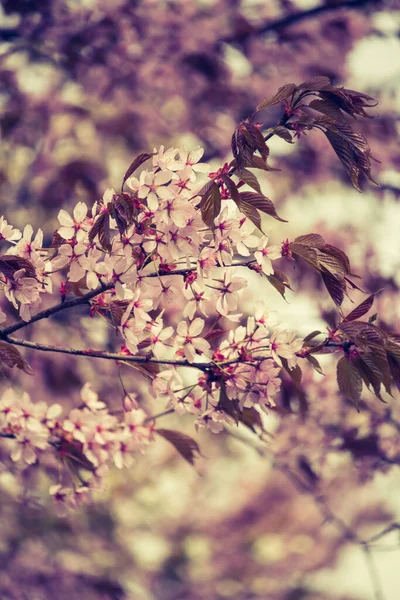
178 230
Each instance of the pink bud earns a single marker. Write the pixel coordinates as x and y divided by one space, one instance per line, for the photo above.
129 403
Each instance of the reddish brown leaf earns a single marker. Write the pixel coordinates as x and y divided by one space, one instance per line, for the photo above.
250 179
282 94
283 133
315 84
187 447
139 160
210 204
11 357
314 362
232 189
251 213
261 203
9 264
361 309
230 407
349 379
336 287
314 240
251 418
101 228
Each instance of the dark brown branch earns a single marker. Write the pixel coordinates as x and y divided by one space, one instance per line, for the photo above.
295 18
106 355
48 312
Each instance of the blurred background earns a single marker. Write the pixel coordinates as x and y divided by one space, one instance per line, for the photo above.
85 85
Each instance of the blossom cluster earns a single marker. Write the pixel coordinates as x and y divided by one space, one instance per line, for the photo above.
138 253
88 438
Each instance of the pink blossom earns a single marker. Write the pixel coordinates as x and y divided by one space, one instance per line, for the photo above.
188 338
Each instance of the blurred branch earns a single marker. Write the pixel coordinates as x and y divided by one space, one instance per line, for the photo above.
348 532
295 18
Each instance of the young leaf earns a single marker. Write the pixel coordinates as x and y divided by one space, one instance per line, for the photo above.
251 213
262 203
361 309
314 240
349 379
9 264
279 281
250 179
230 407
251 418
315 84
101 228
283 133
210 203
282 94
11 357
184 444
314 362
336 287
232 189
139 160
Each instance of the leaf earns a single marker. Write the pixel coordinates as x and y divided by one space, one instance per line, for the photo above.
335 287
210 203
370 376
279 281
314 362
331 263
363 332
283 133
9 264
340 255
327 108
251 213
361 309
232 189
149 370
101 228
251 418
123 211
282 94
394 366
72 453
184 444
349 379
11 357
240 150
256 162
306 253
230 407
246 140
295 373
315 84
250 179
262 203
311 336
314 240
139 160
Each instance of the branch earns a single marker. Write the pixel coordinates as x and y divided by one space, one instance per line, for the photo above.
349 534
294 19
45 314
107 355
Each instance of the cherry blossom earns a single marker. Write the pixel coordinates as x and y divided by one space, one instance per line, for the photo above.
188 338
